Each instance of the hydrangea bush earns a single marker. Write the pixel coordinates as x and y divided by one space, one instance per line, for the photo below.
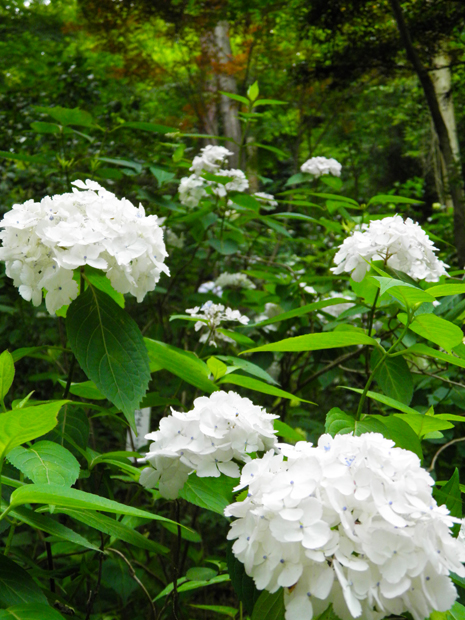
294 468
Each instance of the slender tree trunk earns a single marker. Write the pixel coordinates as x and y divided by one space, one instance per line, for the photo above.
442 82
454 175
227 83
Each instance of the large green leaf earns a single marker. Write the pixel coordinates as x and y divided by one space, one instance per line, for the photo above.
100 281
424 424
284 430
315 342
400 432
403 291
432 327
30 611
73 498
423 349
393 376
442 290
114 528
7 373
249 367
340 423
21 425
269 606
68 116
109 347
50 525
184 585
16 585
259 386
186 366
386 400
210 493
46 462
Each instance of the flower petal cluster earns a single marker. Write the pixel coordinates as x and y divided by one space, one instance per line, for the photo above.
220 429
212 315
350 522
402 245
321 165
211 159
43 242
192 189
267 200
234 280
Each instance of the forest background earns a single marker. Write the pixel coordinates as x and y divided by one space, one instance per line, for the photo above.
335 79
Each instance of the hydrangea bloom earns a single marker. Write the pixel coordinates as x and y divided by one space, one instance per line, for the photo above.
402 245
211 159
234 280
212 315
43 242
210 287
321 165
350 522
191 190
220 429
238 183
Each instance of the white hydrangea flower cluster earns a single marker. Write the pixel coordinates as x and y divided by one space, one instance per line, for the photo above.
321 165
213 315
268 200
211 159
43 242
350 522
220 429
402 245
234 280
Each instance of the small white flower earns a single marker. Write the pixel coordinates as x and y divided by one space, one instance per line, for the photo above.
321 165
211 159
402 245
268 201
234 280
191 190
212 316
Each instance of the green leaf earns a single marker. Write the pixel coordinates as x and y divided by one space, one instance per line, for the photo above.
423 349
335 197
109 348
46 462
400 433
30 611
316 342
41 127
152 127
218 369
126 163
7 373
243 585
68 116
245 200
442 290
243 100
450 495
284 430
225 247
210 493
260 386
100 281
269 102
115 528
21 425
393 377
50 525
86 389
250 368
162 176
383 199
340 423
424 424
72 429
239 338
403 291
253 91
30 159
55 495
201 573
273 149
269 606
218 609
457 611
386 400
432 327
179 363
317 305
296 179
185 586
17 586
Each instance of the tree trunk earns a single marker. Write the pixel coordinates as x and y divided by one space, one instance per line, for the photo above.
451 165
227 83
442 82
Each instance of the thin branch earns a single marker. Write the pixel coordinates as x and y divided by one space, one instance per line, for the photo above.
441 449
